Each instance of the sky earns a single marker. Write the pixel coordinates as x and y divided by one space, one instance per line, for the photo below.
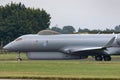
91 14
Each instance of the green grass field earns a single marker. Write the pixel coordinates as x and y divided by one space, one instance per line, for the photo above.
57 69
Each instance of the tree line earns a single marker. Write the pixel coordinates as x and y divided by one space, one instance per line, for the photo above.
71 30
17 20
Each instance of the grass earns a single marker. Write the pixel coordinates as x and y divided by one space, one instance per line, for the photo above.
57 69
11 56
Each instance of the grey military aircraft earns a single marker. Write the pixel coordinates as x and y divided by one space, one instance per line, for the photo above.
66 46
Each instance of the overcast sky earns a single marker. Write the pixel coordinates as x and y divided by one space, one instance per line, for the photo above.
92 14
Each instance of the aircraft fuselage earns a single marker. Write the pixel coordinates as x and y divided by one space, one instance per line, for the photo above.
46 46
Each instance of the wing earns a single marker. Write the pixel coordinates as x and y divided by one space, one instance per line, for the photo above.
79 49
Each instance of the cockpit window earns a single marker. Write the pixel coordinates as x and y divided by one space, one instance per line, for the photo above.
18 39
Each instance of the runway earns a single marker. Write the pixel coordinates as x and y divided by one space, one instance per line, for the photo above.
88 59
114 58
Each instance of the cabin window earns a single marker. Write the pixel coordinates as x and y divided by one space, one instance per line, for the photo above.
18 39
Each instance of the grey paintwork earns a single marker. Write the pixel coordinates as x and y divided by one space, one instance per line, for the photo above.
65 46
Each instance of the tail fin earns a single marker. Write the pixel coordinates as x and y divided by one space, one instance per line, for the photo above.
110 43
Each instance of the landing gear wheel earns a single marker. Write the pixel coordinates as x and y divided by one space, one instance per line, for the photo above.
98 58
19 59
107 58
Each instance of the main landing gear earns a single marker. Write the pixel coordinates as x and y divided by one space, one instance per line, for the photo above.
103 57
19 58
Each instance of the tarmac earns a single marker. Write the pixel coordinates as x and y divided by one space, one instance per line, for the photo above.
114 58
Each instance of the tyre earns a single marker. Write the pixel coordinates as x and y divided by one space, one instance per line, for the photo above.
19 59
107 58
98 58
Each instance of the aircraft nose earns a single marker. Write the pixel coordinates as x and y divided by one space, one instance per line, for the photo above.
8 47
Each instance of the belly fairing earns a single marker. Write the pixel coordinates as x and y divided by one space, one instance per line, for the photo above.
50 55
